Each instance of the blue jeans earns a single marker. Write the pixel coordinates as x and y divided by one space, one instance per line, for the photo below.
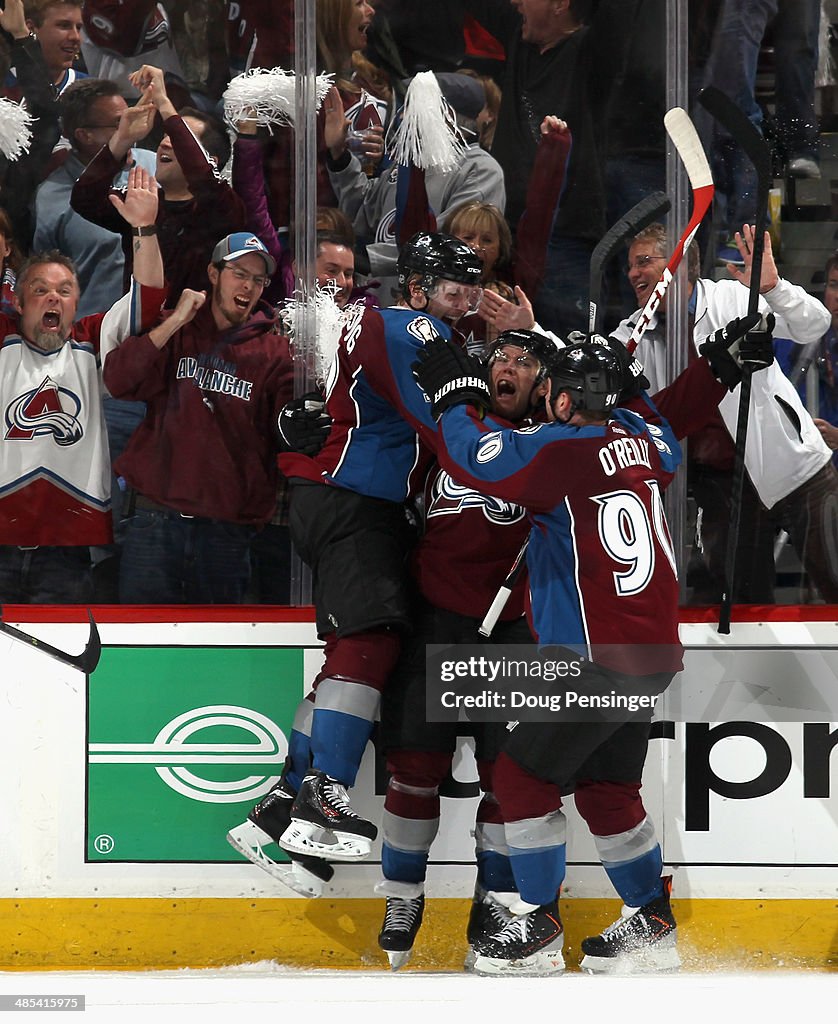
562 302
796 42
732 68
271 554
45 575
121 418
170 559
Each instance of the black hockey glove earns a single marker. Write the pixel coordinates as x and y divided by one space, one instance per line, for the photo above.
303 424
450 376
756 349
721 349
634 379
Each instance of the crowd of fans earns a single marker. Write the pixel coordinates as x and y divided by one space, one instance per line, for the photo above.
114 86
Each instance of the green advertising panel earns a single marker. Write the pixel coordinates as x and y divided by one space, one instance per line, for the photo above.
181 743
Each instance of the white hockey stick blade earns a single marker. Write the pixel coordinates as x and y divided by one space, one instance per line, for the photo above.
685 138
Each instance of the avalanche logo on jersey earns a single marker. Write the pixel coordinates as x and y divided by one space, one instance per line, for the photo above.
657 438
386 229
448 498
422 329
39 412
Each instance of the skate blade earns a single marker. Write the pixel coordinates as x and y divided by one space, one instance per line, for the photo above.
248 839
548 963
398 958
312 841
664 960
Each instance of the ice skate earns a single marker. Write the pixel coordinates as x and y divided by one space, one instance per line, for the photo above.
402 920
642 941
486 918
529 944
323 824
264 826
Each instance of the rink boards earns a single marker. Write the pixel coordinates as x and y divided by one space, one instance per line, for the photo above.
120 789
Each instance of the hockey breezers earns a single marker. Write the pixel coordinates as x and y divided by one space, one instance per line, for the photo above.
85 662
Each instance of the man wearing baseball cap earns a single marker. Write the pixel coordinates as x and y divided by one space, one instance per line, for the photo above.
201 467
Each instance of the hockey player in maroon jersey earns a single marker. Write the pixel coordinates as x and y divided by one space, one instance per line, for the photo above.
349 524
602 581
468 544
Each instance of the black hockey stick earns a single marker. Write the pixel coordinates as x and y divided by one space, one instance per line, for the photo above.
641 215
748 136
85 662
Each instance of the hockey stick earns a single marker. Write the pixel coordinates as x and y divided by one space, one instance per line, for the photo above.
496 607
748 136
641 215
685 138
85 662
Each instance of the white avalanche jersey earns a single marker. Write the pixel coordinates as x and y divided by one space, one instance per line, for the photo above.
55 471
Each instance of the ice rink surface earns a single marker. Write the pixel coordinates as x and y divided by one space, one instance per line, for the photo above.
266 992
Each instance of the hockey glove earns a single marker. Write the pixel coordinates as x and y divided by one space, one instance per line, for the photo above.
450 376
720 349
634 379
303 424
756 349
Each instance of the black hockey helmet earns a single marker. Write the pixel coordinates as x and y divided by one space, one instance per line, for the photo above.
434 255
591 374
543 348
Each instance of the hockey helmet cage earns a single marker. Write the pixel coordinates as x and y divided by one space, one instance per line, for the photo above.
543 348
591 374
434 255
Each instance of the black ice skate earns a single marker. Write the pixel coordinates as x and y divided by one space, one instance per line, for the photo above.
530 944
402 920
485 919
323 824
263 826
641 942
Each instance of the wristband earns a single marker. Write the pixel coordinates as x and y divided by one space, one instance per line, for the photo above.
144 232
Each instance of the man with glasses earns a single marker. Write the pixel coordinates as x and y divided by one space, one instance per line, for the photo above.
197 205
201 467
788 464
90 113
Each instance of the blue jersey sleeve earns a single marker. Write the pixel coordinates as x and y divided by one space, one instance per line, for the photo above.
533 465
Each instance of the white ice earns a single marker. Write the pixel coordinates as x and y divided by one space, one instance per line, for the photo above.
267 992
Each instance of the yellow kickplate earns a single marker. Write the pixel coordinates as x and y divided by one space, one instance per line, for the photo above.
157 934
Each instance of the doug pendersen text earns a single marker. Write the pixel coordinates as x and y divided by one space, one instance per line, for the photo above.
471 671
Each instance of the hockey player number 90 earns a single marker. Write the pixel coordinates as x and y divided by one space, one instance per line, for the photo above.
628 536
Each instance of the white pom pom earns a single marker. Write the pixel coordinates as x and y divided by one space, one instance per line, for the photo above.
15 129
329 319
427 136
267 97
